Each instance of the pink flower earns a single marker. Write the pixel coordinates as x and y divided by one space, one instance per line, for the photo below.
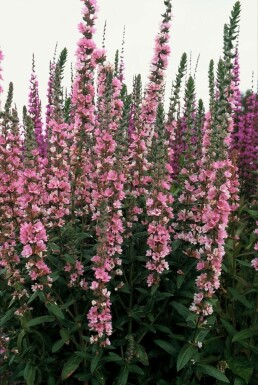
254 263
102 275
27 251
40 231
26 232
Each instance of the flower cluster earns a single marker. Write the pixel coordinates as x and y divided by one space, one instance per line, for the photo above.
57 178
107 195
74 193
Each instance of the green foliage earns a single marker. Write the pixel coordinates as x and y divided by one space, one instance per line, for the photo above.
9 99
176 87
211 84
58 95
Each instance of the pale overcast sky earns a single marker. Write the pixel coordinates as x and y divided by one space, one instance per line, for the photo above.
29 26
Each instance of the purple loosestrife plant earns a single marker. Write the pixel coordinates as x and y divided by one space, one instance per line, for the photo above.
103 243
107 197
83 105
144 129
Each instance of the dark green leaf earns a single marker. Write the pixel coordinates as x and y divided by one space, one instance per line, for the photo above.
32 297
163 329
141 354
40 320
20 339
181 309
239 381
213 372
167 346
242 368
30 374
229 328
65 335
8 315
57 346
123 376
94 362
70 366
113 357
238 297
55 309
242 335
136 369
185 355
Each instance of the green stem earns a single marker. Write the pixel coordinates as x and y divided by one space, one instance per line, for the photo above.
130 327
154 319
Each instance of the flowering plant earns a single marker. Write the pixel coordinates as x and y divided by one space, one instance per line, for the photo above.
127 234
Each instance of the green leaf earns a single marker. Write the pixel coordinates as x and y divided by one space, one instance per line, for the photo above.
163 329
176 244
242 281
55 309
141 354
180 280
20 339
239 381
136 369
213 372
40 320
57 346
242 368
53 247
238 297
123 376
161 296
153 290
70 301
42 296
32 297
100 378
70 366
65 335
229 328
181 309
167 346
141 258
253 213
242 335
185 355
113 357
83 376
30 374
82 236
244 263
201 335
141 234
252 347
95 361
8 315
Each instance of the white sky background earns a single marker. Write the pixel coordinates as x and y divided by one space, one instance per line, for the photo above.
29 26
